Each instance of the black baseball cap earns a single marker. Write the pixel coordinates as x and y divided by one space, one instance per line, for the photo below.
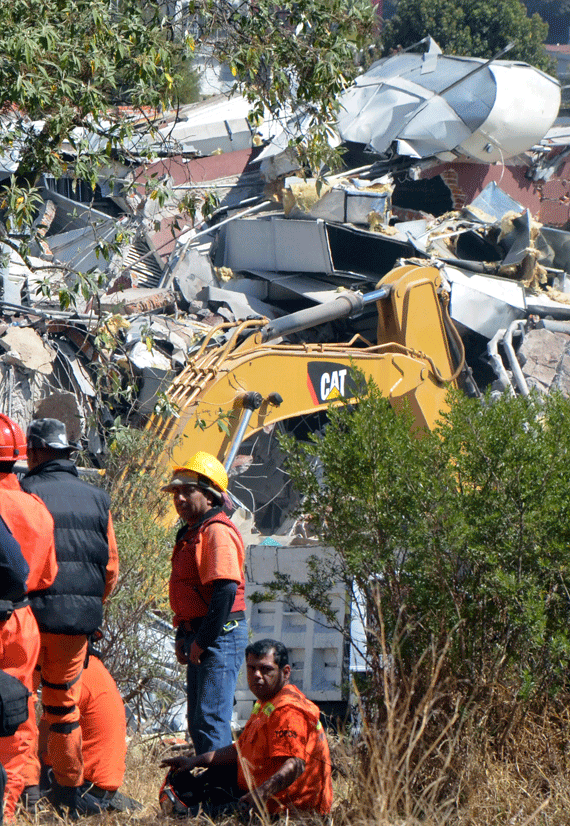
50 433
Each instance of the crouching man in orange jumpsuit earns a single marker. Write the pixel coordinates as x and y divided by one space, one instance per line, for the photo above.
280 763
72 608
32 526
104 735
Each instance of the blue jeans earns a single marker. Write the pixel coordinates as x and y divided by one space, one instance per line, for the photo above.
211 687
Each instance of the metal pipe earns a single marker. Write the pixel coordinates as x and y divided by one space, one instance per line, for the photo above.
554 325
250 402
347 304
496 362
512 356
480 68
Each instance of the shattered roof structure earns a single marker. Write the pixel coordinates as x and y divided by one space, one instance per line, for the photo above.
456 160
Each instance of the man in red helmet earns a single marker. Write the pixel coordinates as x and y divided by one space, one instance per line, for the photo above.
32 526
71 608
207 596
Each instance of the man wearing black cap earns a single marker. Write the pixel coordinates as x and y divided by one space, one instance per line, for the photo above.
72 608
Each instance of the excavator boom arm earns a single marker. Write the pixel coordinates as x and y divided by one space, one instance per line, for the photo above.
230 391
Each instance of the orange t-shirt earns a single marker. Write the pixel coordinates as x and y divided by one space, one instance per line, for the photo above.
287 726
215 551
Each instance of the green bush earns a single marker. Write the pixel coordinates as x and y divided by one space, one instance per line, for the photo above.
457 540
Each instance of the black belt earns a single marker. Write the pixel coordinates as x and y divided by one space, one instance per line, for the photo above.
7 607
192 626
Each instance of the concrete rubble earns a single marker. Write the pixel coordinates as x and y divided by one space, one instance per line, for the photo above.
437 172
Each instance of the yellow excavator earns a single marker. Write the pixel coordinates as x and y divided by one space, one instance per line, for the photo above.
253 379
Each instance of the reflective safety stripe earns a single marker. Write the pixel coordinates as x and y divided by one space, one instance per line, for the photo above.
63 728
268 709
62 686
59 711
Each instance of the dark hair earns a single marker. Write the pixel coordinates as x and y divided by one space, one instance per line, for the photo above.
262 647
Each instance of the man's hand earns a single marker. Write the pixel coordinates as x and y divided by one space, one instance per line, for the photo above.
179 763
246 805
179 651
222 757
195 654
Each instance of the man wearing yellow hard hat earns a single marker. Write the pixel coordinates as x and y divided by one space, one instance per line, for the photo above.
207 595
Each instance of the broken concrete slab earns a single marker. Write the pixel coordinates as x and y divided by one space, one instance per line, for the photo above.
540 355
25 349
63 406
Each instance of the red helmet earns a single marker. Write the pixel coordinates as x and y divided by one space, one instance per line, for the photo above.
12 440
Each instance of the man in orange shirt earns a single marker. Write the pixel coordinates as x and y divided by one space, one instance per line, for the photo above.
280 762
207 588
32 526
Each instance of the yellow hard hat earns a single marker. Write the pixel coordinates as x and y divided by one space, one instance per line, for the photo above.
201 463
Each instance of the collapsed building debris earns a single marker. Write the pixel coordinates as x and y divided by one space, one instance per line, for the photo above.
188 289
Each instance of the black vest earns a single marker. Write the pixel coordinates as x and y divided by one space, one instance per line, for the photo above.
73 603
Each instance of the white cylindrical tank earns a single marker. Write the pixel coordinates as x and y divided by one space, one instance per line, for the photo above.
526 105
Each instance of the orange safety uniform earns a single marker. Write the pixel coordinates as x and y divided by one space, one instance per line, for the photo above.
103 728
32 526
71 609
212 551
286 726
62 658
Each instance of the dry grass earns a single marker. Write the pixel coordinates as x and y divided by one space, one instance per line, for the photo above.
429 758
403 775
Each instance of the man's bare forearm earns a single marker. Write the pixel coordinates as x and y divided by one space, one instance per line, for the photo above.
292 768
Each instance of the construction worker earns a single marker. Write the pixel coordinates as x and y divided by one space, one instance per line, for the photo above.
14 572
72 608
104 742
32 526
207 595
280 763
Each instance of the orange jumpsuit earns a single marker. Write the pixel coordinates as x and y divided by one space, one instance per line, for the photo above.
61 659
103 728
32 526
288 725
